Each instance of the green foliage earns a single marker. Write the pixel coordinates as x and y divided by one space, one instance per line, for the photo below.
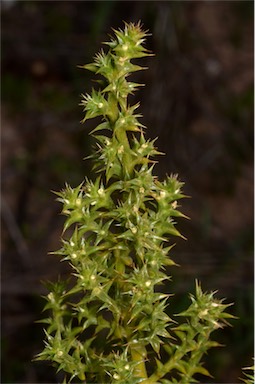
108 323
249 377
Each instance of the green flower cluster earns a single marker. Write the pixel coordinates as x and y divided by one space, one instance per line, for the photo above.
108 323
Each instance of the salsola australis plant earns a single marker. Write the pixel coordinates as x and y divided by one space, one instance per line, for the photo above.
108 323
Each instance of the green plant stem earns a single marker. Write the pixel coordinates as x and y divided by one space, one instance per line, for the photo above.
114 108
120 266
127 165
139 354
166 368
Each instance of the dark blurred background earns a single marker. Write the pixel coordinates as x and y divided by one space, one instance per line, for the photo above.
198 100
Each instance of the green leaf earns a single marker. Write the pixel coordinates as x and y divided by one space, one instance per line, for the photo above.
155 342
201 370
